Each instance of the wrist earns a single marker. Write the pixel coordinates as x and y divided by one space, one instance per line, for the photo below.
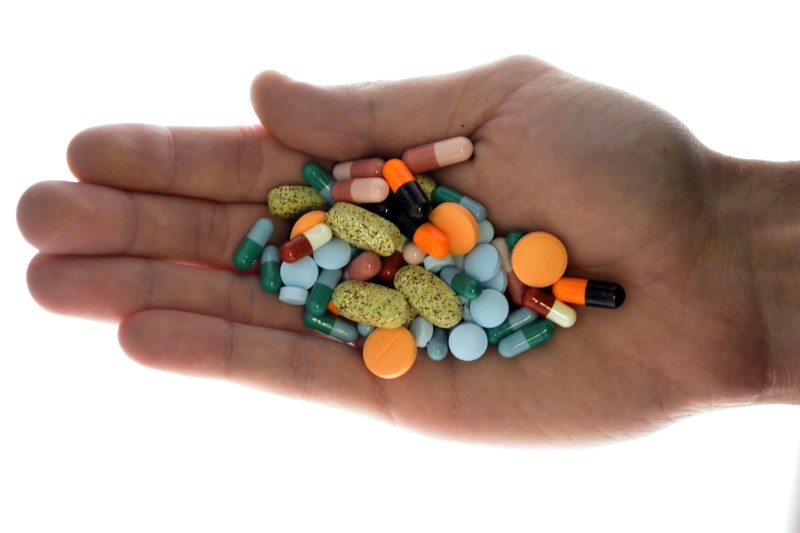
756 206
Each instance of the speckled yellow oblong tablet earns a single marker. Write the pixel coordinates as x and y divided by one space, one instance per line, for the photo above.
363 229
429 295
371 304
291 201
427 183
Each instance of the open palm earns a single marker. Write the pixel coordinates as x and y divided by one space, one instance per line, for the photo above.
147 236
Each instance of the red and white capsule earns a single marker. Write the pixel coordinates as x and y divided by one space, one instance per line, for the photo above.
361 168
546 306
438 154
361 191
305 243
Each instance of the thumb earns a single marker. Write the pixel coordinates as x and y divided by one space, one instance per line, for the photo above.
384 118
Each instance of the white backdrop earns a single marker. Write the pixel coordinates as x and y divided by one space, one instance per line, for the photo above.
93 442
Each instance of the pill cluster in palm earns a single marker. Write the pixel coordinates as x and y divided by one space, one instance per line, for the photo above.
380 252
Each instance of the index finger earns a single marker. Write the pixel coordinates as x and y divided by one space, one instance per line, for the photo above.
232 164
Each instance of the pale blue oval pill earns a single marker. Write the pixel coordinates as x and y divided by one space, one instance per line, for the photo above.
467 341
293 295
499 282
433 264
302 273
489 309
333 254
482 263
465 314
437 346
458 261
365 329
422 331
485 231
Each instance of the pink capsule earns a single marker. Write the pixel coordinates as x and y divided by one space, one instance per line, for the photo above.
360 191
364 267
436 155
362 168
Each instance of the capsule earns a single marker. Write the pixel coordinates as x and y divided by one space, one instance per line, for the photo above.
304 244
389 267
513 238
319 180
527 338
322 291
253 244
408 191
437 346
443 194
270 271
330 325
461 283
426 236
515 321
589 292
361 191
438 154
364 267
413 254
514 287
546 306
361 168
365 329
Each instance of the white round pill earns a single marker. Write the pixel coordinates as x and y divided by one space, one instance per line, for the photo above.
293 295
467 341
302 273
490 309
422 331
482 263
333 254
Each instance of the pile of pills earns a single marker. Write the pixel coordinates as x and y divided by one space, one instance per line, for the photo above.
378 251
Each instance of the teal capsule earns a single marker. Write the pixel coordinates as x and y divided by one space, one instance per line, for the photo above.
322 291
437 346
253 244
270 272
319 180
443 194
512 239
335 327
527 338
461 283
515 321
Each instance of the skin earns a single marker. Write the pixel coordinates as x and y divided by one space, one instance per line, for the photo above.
706 246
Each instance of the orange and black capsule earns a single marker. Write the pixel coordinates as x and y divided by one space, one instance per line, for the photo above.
588 292
407 189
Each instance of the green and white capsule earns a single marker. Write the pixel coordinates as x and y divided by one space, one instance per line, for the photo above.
319 180
270 272
253 244
512 239
443 194
515 321
461 283
322 291
328 324
527 338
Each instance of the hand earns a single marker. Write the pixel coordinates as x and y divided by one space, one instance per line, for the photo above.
147 235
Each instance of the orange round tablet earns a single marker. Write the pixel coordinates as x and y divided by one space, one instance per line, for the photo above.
539 259
389 353
306 222
458 224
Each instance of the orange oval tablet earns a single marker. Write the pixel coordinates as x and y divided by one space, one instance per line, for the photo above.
539 259
458 224
306 222
390 353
